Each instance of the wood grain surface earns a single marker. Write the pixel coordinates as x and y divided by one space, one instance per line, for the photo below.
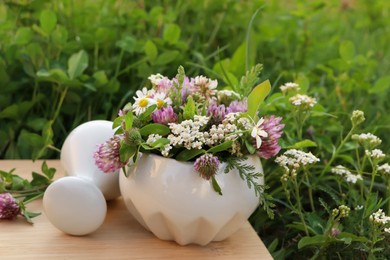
120 236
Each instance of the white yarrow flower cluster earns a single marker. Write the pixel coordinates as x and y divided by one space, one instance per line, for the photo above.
384 169
303 101
379 218
349 177
188 133
289 86
375 154
369 139
292 160
153 138
223 132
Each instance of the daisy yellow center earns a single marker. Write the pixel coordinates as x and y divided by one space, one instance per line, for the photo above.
160 103
143 102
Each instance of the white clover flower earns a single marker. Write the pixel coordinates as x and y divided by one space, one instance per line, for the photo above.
375 154
289 86
387 230
303 101
258 132
156 78
384 169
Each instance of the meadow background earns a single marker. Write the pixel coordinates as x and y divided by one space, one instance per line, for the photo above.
65 62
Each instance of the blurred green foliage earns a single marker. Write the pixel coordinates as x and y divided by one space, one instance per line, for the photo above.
66 62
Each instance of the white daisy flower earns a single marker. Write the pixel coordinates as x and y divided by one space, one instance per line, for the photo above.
141 104
144 93
161 100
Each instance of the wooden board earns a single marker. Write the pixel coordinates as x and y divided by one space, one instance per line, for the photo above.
120 236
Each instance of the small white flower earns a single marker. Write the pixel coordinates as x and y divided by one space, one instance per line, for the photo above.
289 86
153 138
258 132
359 207
367 138
156 78
303 101
375 154
384 169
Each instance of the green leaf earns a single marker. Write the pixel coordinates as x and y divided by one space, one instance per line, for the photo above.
150 50
160 143
311 241
128 120
221 147
216 186
23 36
60 35
77 63
146 115
257 95
39 179
154 129
171 33
48 20
347 50
187 155
126 151
117 122
100 77
167 57
48 172
380 85
189 109
303 144
250 147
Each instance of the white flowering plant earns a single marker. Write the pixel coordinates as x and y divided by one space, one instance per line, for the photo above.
194 119
331 194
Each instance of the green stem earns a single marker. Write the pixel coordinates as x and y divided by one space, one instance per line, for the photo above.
59 105
334 155
310 192
299 211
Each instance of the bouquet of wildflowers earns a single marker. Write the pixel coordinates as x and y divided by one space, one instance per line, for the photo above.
192 119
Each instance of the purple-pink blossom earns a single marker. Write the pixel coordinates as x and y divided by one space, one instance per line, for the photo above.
237 106
9 206
164 116
216 113
270 146
207 166
107 156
